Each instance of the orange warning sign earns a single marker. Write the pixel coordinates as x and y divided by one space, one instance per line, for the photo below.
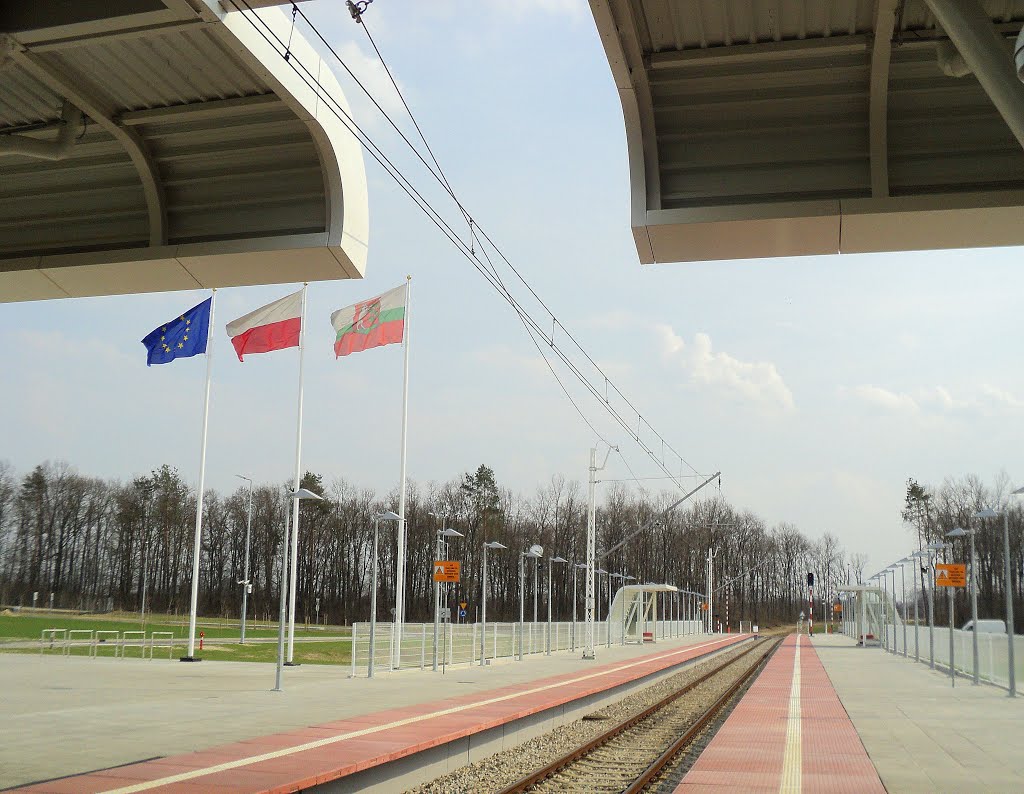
950 575
446 570
704 606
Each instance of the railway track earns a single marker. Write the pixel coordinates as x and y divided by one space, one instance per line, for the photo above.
632 754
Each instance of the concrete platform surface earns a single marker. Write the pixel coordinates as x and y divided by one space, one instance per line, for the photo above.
70 715
922 734
788 733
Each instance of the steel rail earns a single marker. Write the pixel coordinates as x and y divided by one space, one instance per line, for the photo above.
699 724
538 775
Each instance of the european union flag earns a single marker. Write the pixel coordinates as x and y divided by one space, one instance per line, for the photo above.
182 337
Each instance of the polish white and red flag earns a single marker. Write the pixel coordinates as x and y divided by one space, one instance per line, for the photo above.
272 327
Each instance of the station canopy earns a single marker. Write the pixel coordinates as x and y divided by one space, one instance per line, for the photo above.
763 128
155 145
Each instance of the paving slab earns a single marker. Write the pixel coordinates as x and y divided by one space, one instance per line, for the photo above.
788 733
73 715
922 734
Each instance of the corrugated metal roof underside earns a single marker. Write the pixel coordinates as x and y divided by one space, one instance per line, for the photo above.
791 129
190 64
227 176
676 25
945 136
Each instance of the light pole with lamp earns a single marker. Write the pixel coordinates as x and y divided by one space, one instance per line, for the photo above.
895 610
952 660
148 485
297 495
390 515
930 548
608 634
245 568
483 601
1008 586
442 549
903 587
575 568
535 552
959 532
551 562
915 557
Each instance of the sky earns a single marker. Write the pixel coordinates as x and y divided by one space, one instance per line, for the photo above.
816 385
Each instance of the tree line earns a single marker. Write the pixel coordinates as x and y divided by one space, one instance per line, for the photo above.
932 511
96 544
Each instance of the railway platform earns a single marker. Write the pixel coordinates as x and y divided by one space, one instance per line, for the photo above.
213 730
788 733
828 716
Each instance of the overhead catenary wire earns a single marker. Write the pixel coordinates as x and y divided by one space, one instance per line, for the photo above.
489 272
440 176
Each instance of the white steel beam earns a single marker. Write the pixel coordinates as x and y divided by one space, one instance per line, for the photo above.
102 110
763 51
878 108
985 51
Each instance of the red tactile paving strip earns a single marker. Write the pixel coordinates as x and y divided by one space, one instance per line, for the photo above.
748 751
344 754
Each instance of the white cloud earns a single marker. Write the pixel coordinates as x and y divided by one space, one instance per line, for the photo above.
936 400
883 398
756 382
1001 397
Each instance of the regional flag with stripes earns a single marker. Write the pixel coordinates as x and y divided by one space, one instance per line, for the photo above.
371 323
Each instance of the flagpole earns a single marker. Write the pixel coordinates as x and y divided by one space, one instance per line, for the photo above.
197 547
298 478
400 583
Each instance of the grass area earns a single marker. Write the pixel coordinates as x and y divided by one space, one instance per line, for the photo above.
305 652
29 625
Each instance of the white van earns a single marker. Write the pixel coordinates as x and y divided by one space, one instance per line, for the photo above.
986 626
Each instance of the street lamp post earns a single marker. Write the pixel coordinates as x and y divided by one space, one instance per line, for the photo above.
147 492
551 562
915 557
609 578
442 549
390 515
937 547
245 567
483 601
575 568
535 552
1008 587
297 495
959 532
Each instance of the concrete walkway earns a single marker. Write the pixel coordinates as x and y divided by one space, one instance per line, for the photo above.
69 715
922 734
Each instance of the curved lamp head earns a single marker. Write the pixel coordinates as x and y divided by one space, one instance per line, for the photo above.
390 515
957 532
451 533
304 493
557 559
988 512
536 550
494 545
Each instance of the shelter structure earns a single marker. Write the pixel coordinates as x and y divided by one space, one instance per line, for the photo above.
866 611
156 145
766 128
634 612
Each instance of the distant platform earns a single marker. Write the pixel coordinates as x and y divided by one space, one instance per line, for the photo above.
217 727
